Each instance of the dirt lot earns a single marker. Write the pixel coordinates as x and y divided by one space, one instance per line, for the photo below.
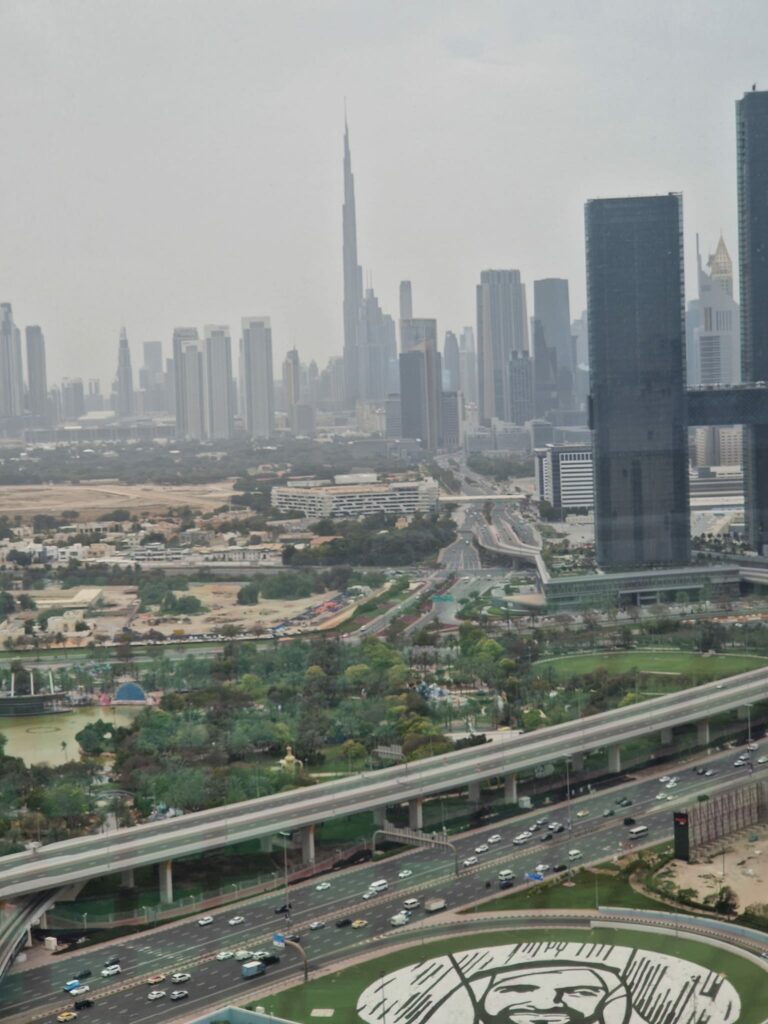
746 868
93 499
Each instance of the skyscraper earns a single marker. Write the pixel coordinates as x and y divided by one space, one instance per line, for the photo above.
421 393
378 350
406 301
551 307
414 331
72 398
468 365
189 381
124 381
220 411
520 388
451 366
11 370
636 357
713 355
292 384
37 380
752 172
502 328
257 378
353 282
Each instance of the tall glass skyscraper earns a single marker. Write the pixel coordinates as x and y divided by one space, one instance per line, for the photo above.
637 367
752 159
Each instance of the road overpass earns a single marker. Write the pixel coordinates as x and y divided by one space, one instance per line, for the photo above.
77 860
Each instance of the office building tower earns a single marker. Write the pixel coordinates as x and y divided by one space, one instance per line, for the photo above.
468 366
421 394
189 384
635 297
94 400
580 335
72 399
520 388
563 474
451 362
502 328
551 308
353 282
712 324
152 382
545 397
220 411
378 350
291 384
450 420
752 174
331 383
11 370
393 418
153 356
37 379
414 332
406 301
124 401
257 377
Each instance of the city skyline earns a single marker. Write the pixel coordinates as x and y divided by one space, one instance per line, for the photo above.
106 268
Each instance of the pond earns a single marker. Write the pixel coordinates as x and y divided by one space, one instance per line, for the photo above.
51 738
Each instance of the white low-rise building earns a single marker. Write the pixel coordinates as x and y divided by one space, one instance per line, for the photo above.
350 501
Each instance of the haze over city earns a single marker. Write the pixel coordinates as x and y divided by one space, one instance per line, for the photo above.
180 163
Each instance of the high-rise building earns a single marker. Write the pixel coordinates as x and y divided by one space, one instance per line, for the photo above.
415 331
292 384
189 381
520 388
37 380
220 412
406 301
421 394
468 365
153 356
450 420
124 400
551 308
11 369
353 282
712 324
152 383
636 356
377 351
451 362
502 328
545 397
72 398
752 157
257 377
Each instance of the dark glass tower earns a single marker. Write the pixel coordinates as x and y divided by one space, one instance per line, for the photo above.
636 356
752 157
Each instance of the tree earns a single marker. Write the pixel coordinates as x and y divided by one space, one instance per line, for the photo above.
725 901
249 594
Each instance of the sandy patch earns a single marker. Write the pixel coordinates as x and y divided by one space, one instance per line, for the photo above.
91 500
745 863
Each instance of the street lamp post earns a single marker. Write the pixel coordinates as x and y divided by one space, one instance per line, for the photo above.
568 793
749 724
85 920
286 836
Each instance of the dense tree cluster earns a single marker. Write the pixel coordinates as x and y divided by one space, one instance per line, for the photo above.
376 540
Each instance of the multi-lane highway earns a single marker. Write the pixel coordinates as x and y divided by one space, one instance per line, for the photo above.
85 857
35 994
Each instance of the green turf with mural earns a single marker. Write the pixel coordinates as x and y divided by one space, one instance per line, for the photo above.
339 992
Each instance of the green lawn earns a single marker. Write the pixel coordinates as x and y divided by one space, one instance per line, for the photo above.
700 667
340 991
583 895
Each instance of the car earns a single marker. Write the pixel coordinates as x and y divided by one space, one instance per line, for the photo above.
179 993
541 868
739 763
316 926
608 812
482 848
238 919
629 821
700 770
85 973
203 921
469 862
225 954
243 954
283 908
111 971
359 922
534 827
762 760
180 977
496 838
80 990
295 937
83 1004
268 958
345 922
519 840
671 784
664 778
322 886
541 822
156 993
506 883
582 813
710 772
625 802
751 746
405 873
560 867
556 827
412 903
661 796
574 854
545 837
67 1015
112 961
526 833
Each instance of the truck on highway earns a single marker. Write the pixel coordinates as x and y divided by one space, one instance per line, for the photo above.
434 904
253 969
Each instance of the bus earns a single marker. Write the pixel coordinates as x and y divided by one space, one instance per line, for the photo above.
637 831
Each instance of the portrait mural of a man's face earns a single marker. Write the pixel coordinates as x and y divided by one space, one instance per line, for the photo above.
551 983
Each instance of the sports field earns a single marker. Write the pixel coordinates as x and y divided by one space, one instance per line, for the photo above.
701 667
446 981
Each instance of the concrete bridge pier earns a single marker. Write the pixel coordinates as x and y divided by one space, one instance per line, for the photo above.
166 881
702 732
666 736
127 879
379 816
614 758
510 789
577 762
415 814
308 845
473 793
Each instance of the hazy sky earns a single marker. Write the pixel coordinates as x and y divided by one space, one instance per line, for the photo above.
168 162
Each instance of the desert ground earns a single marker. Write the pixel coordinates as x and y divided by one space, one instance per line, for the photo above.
746 868
94 499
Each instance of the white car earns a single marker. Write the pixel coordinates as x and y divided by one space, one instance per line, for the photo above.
109 972
710 772
541 868
411 904
225 954
470 862
574 855
322 886
762 760
182 976
156 993
739 764
201 921
80 990
671 784
526 834
664 778
494 839
316 926
239 919
242 954
482 848
661 796
405 873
